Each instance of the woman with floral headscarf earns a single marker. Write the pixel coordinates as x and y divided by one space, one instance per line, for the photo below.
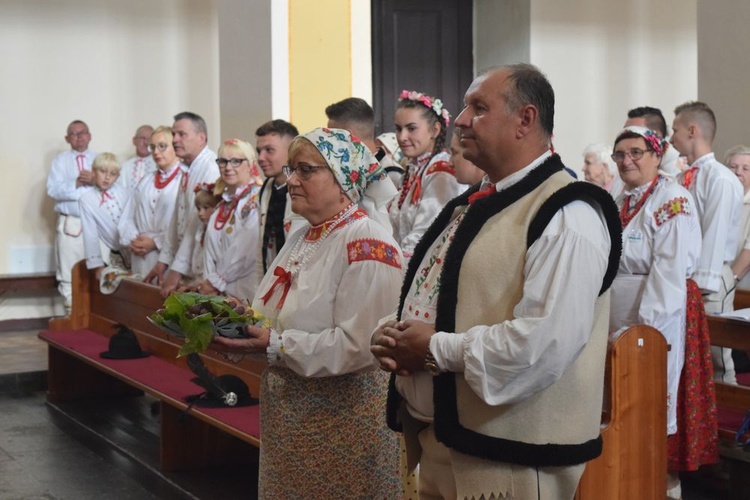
661 243
232 233
323 427
429 182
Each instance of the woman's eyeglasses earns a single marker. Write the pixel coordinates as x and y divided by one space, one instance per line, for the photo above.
161 147
234 162
304 172
635 154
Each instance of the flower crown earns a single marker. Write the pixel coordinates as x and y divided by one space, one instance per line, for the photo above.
204 186
432 103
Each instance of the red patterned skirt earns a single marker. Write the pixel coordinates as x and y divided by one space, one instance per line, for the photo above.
696 441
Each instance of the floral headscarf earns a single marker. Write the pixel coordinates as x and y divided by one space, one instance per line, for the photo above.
357 171
653 139
389 141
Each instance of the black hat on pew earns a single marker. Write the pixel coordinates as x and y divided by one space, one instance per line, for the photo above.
221 392
124 345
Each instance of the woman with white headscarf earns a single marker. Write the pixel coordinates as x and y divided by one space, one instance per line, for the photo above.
323 426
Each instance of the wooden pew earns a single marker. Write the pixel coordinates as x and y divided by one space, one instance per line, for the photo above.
74 375
634 421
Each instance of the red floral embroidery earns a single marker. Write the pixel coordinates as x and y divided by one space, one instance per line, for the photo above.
672 208
440 166
372 249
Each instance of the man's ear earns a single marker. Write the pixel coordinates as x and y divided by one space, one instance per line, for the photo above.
529 116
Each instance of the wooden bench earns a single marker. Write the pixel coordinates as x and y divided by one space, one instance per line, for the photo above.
197 439
634 421
12 285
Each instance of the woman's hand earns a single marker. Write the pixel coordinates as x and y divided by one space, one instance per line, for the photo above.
256 343
206 288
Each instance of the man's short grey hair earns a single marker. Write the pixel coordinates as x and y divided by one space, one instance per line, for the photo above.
198 122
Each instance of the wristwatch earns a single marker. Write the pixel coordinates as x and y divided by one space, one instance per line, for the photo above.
430 365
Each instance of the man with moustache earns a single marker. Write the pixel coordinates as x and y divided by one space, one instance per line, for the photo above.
499 344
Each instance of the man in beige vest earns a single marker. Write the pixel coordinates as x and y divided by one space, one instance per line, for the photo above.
499 344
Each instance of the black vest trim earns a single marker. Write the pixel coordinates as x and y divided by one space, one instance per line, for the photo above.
448 429
595 196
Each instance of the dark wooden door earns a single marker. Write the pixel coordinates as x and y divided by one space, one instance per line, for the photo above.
423 45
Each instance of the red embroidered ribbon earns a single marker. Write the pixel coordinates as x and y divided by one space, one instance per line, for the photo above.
79 162
283 278
105 196
482 193
689 177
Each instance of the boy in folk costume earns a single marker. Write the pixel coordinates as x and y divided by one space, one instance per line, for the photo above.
101 209
205 203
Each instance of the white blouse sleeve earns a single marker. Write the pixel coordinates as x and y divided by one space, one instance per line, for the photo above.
62 187
90 233
508 362
126 227
368 291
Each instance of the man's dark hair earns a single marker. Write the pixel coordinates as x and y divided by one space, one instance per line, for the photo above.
653 117
530 86
699 113
281 127
197 120
357 116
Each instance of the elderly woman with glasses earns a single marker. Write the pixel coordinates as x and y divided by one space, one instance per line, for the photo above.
737 160
146 216
228 267
323 427
661 242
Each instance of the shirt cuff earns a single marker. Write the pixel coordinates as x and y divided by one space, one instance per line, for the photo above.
448 351
707 280
215 280
275 349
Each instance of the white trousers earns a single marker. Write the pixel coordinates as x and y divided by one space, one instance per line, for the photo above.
68 251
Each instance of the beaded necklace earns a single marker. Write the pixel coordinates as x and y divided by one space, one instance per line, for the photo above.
306 247
626 215
161 184
224 211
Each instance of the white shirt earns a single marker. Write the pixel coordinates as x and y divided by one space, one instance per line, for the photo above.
61 182
134 169
414 217
660 250
198 252
149 212
229 249
100 214
507 362
177 250
718 199
335 302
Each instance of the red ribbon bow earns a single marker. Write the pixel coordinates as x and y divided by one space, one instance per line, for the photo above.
283 278
482 193
105 196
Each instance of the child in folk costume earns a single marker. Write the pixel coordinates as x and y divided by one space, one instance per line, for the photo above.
230 261
101 210
206 200
429 182
148 212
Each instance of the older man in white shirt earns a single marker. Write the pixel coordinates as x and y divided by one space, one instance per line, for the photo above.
137 167
69 178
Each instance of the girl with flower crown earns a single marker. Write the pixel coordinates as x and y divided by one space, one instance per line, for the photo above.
661 243
322 421
230 259
145 220
429 182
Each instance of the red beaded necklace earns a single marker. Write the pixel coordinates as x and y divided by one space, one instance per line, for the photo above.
627 215
225 210
161 184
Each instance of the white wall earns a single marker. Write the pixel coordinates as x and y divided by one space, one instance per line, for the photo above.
723 70
604 57
112 64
